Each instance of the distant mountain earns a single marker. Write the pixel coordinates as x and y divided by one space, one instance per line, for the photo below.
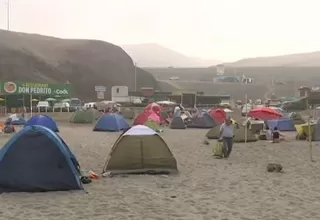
293 60
83 63
154 55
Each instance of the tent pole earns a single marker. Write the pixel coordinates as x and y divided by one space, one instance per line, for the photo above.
246 126
30 105
309 131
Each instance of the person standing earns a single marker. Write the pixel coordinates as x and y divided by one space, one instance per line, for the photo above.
226 135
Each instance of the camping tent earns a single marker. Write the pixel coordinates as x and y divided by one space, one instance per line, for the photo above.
213 133
283 124
303 131
144 116
16 119
177 123
153 125
35 160
239 135
296 118
111 122
140 150
43 120
202 121
219 115
83 116
254 126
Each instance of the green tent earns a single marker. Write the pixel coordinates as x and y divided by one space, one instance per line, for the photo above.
239 134
140 150
153 125
83 117
213 133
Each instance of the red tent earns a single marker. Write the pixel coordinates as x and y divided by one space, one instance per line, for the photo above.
218 115
153 107
145 116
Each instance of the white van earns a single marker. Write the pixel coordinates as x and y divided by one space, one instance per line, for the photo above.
89 105
246 108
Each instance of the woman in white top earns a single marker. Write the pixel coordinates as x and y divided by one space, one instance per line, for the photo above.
268 134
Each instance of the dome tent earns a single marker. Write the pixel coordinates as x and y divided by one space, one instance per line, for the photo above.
43 120
202 121
177 123
140 150
146 115
36 160
83 117
213 133
153 125
283 124
111 122
239 135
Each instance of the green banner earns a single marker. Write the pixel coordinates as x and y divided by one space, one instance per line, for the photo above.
33 88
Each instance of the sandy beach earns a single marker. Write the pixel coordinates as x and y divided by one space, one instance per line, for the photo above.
239 188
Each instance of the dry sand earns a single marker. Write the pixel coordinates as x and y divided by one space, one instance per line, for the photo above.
206 188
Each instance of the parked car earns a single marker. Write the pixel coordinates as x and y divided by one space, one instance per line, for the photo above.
75 104
43 106
61 106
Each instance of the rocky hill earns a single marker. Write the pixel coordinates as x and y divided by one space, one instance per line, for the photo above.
84 63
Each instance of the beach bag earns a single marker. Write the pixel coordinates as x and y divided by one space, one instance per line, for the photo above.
217 149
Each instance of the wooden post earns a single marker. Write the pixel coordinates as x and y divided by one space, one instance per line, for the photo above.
309 131
246 126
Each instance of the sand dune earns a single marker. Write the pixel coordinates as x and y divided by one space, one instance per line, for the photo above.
206 188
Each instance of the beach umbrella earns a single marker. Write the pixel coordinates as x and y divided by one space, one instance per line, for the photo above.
34 100
264 113
219 115
166 103
50 99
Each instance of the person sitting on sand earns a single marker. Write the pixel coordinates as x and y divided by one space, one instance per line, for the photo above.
8 128
268 134
276 136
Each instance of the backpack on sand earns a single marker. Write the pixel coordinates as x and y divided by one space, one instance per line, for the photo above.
217 149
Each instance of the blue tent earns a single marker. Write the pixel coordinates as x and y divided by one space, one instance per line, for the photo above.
283 124
111 122
43 120
37 160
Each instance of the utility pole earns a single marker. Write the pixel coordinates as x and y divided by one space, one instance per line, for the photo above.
8 15
135 77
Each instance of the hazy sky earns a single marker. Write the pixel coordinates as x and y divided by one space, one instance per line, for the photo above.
220 29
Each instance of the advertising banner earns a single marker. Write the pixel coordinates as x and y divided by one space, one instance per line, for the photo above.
33 88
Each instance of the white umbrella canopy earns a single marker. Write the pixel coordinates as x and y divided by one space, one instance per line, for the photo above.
227 110
50 99
166 103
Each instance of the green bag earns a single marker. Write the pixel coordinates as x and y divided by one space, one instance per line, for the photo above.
217 149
